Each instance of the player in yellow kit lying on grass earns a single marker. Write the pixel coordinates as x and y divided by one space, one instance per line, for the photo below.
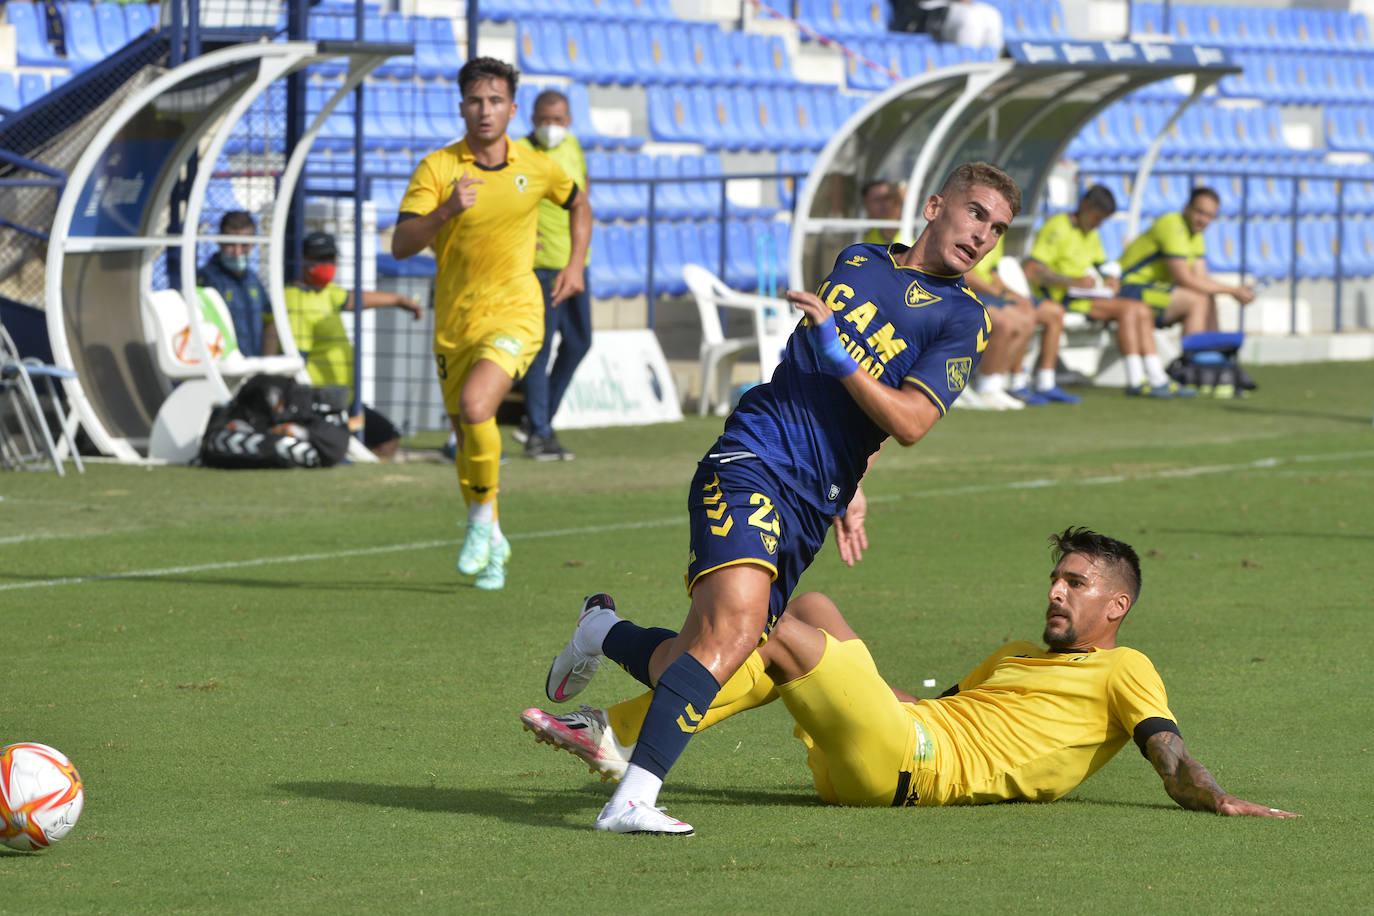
1029 723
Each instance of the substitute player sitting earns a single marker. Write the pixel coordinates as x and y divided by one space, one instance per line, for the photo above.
1028 723
476 203
1166 267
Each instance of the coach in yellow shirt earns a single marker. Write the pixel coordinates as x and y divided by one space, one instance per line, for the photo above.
476 203
1029 723
1166 267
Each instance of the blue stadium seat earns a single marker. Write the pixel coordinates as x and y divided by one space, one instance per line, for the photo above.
630 244
738 270
716 115
1266 250
389 118
439 102
771 61
1223 246
1316 196
1357 248
671 118
609 49
605 197
692 245
769 242
9 93
667 260
529 49
1357 194
503 10
576 47
1147 19
740 255
670 197
580 107
634 197
711 167
703 196
602 278
32 87
784 115
1316 249
31 35
392 28
699 59
651 64
110 27
82 36
436 48
867 18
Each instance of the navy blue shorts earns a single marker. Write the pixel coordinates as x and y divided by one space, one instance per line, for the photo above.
738 514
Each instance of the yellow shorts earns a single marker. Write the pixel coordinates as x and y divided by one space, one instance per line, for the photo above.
512 343
859 737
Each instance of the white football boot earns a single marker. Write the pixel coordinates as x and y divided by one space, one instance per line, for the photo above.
586 733
572 669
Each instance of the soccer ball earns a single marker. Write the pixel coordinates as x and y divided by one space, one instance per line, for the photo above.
40 796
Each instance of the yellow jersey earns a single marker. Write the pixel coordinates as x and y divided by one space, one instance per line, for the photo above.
317 324
554 244
1146 260
1030 723
485 255
1065 249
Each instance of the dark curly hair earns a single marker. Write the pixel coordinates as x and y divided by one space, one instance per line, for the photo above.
1117 555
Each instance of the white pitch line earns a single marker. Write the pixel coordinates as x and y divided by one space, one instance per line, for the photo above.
1257 464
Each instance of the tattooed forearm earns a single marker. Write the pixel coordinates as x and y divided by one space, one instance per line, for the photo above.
1187 781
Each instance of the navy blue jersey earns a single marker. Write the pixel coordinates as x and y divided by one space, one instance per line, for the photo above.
903 327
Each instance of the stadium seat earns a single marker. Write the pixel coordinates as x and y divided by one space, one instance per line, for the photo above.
670 197
32 87
771 60
631 244
602 279
634 198
81 35
436 49
9 93
110 27
782 115
1357 248
702 196
1268 249
31 35
138 18
667 260
580 63
1223 246
1316 255
609 50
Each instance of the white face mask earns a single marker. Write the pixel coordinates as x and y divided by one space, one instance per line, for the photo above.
550 135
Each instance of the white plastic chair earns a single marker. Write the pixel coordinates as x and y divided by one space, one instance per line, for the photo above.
19 398
773 320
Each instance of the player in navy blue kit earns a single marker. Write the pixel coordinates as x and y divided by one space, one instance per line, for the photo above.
888 341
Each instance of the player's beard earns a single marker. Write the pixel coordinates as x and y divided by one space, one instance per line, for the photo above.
1059 639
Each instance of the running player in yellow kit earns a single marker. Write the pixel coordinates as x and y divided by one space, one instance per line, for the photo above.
476 203
1029 723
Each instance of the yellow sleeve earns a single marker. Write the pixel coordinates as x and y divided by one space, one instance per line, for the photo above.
424 193
1135 692
338 296
300 330
560 185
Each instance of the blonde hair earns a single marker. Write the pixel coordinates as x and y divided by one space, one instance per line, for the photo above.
983 174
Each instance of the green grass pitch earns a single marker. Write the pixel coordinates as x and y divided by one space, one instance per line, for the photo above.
281 695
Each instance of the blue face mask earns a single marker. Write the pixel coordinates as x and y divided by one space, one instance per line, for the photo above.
234 263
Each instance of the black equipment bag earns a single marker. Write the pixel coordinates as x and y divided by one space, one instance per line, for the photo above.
275 422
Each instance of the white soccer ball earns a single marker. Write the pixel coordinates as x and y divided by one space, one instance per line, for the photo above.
41 796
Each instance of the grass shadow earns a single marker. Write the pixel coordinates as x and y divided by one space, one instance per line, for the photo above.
566 809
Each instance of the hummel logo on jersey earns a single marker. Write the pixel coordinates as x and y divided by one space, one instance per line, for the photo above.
916 295
856 260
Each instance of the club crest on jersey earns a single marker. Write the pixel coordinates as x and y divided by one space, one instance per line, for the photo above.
856 260
770 543
957 372
521 183
916 295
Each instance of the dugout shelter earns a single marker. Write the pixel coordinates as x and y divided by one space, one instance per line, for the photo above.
1019 112
103 214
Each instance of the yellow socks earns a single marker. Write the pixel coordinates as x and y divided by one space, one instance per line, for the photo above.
747 688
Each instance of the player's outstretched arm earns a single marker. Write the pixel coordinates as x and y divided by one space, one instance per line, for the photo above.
1192 786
